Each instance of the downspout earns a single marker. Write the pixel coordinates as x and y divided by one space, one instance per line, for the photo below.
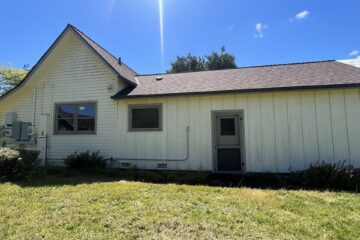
165 159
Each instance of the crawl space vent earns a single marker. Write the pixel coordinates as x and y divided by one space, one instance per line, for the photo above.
162 166
125 165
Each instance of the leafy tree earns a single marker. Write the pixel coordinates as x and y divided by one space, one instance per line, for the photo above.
11 76
192 63
223 60
189 63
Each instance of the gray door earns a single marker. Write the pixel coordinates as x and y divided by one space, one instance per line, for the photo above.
228 142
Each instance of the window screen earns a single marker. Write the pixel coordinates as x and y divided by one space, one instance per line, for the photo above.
145 117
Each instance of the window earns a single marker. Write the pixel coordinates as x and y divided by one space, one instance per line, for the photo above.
145 117
75 118
227 126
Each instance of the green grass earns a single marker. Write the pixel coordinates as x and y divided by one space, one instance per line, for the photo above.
75 208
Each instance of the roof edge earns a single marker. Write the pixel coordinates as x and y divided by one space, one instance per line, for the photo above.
254 66
250 90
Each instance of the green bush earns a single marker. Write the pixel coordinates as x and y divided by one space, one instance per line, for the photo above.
338 176
85 161
18 164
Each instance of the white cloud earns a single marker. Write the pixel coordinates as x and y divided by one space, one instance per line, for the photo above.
354 53
300 16
358 57
260 27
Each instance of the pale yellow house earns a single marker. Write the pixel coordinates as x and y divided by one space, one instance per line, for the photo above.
276 118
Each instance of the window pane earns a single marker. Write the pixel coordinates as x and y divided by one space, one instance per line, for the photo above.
65 125
87 124
65 111
227 126
145 118
86 110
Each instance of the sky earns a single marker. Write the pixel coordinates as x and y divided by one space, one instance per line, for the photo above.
149 34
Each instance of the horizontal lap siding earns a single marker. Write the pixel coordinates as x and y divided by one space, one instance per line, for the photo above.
283 131
78 75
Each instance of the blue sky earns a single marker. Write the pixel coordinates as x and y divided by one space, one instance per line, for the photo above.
257 32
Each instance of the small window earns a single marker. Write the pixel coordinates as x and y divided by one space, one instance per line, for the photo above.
145 117
227 126
75 118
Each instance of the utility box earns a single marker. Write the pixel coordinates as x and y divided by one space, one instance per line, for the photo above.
20 131
10 117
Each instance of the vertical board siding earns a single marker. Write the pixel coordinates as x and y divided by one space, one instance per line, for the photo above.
282 132
311 147
295 132
352 102
268 133
339 126
255 148
325 136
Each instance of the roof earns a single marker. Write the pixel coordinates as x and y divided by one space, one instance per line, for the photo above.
122 70
322 74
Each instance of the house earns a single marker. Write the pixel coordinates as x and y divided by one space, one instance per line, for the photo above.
275 118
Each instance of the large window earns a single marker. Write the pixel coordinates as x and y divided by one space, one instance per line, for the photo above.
145 117
75 118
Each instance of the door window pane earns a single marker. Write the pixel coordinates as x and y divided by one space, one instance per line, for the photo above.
227 126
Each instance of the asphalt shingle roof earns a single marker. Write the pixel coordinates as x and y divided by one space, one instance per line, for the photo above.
299 75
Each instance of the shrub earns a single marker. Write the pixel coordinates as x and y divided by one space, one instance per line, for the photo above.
339 176
85 161
18 164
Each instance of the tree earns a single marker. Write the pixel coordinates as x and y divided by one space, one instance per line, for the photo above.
189 63
192 63
11 76
223 60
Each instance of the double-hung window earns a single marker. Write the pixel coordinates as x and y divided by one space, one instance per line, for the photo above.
75 118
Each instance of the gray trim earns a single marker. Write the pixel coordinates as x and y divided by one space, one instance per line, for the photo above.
55 122
240 114
142 106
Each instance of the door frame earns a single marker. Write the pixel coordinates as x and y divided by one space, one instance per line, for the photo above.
241 122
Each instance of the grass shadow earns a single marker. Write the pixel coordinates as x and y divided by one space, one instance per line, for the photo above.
53 177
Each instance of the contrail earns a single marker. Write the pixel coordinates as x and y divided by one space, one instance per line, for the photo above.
161 32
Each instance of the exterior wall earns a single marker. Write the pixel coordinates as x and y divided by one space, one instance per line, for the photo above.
77 74
284 131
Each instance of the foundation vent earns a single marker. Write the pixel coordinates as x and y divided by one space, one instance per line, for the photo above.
125 165
162 166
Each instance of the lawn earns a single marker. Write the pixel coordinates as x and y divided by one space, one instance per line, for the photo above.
75 208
